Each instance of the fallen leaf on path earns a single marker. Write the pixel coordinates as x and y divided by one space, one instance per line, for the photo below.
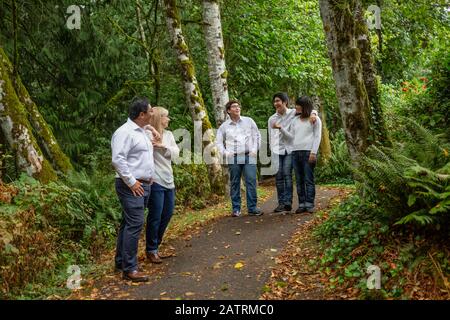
163 293
239 265
238 233
188 294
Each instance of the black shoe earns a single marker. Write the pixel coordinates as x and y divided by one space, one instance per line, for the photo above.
300 210
257 212
310 210
287 207
280 208
117 269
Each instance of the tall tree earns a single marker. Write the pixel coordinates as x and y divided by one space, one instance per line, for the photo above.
340 30
216 58
369 74
193 94
25 130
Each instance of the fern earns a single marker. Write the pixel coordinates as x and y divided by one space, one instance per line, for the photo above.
410 180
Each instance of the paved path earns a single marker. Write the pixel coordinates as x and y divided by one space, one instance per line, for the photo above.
204 266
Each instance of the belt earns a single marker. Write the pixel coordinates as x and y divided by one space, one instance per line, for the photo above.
144 181
241 154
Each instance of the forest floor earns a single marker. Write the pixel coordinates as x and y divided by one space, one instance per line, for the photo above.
230 258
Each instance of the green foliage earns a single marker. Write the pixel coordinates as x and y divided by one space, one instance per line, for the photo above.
338 169
411 180
48 227
192 185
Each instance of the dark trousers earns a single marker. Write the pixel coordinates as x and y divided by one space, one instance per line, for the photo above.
284 179
304 174
133 208
160 209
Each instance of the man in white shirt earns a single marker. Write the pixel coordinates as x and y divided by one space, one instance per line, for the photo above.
281 148
132 158
238 139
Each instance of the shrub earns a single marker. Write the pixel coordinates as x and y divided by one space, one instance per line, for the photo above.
338 168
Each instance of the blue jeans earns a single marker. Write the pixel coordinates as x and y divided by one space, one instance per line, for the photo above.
304 174
133 208
160 209
236 165
284 179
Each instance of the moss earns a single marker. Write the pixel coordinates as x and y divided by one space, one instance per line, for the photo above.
221 52
23 140
40 126
172 13
224 75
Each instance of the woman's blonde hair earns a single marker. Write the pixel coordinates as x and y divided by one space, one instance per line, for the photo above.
155 121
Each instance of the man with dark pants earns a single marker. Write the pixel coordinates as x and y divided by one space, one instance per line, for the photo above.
281 152
238 139
132 158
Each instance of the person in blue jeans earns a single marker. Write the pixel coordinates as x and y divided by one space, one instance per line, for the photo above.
162 198
132 158
280 146
238 139
305 137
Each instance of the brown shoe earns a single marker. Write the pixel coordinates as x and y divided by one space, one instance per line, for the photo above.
154 258
165 256
135 276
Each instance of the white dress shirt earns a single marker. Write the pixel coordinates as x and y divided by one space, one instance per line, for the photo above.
163 160
238 137
132 153
280 142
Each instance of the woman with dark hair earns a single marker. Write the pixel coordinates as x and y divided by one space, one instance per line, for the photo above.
305 139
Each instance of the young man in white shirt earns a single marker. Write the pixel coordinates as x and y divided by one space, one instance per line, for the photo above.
238 139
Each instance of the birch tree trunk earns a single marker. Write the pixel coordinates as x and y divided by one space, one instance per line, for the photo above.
339 26
216 58
193 94
17 130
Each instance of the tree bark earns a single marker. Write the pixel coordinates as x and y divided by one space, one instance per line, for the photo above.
17 129
340 29
216 58
370 75
193 94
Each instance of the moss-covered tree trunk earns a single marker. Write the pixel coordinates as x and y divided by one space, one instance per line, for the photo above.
216 58
325 145
370 75
339 26
193 94
17 130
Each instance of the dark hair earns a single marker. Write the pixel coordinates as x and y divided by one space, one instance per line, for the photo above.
282 96
229 103
307 106
137 106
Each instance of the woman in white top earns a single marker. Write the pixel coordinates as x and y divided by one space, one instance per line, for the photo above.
162 196
305 140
